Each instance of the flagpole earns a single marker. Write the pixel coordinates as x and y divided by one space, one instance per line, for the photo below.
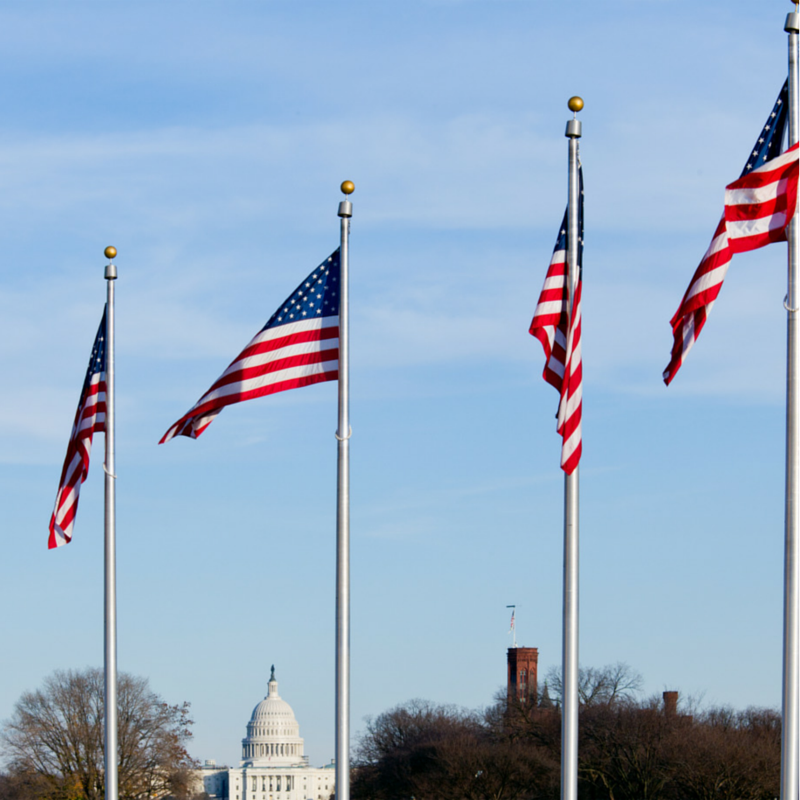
569 721
343 514
110 664
791 618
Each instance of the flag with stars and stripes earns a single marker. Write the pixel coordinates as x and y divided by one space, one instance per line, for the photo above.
89 419
570 406
760 205
549 323
297 347
560 336
706 283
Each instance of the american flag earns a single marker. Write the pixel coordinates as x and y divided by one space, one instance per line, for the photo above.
549 323
297 347
760 205
706 283
90 418
511 627
560 336
570 409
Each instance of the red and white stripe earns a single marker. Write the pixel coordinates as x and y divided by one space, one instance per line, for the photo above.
549 324
570 407
760 205
89 419
277 359
703 290
561 341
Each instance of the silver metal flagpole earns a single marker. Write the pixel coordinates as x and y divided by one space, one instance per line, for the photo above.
110 664
343 514
791 617
569 719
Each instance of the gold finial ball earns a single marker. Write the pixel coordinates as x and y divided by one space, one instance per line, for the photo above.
348 187
110 252
575 103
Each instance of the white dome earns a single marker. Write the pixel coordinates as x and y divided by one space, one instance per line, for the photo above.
273 735
273 709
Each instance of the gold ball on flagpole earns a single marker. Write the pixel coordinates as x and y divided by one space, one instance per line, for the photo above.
575 103
348 187
110 252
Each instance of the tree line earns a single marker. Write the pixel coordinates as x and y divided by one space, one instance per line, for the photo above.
630 748
53 744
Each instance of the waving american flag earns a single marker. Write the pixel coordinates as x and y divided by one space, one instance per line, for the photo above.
89 419
560 335
706 283
297 347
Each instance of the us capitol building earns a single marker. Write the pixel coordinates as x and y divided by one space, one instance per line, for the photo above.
273 766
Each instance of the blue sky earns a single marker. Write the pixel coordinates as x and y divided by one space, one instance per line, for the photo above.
207 141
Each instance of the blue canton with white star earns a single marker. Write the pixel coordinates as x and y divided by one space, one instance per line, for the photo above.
316 296
768 144
97 361
561 242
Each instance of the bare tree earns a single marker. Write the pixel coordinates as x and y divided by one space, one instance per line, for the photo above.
730 755
630 748
441 752
626 752
611 684
54 741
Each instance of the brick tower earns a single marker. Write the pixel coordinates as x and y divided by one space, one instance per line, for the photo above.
523 664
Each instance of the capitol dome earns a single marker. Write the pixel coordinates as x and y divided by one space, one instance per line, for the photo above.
273 735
